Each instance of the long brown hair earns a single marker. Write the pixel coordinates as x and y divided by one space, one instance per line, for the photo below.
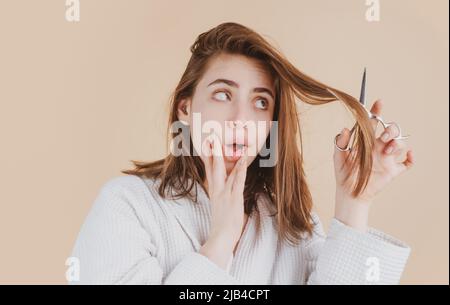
285 184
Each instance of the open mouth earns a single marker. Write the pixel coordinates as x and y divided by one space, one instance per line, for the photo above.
233 151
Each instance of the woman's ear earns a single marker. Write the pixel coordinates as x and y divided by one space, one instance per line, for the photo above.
183 111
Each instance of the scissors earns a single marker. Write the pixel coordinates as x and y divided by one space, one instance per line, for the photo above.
371 116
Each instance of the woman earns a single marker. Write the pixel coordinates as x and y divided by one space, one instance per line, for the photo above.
224 212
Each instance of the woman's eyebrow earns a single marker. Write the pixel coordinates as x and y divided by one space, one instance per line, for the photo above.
264 90
225 81
236 85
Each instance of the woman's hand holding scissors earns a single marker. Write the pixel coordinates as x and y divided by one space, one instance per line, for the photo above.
388 147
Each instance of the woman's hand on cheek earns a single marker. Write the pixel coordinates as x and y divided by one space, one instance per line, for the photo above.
227 204
354 211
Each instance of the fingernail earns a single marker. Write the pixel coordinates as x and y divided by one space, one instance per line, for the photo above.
389 149
385 137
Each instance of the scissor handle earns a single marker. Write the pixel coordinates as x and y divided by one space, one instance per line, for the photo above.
400 136
378 119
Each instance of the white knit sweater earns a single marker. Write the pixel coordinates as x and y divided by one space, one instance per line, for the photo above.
133 236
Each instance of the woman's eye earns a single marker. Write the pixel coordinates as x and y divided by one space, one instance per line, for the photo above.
261 104
221 96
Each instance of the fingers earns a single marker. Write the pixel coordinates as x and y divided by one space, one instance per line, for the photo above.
343 140
217 165
207 159
407 163
216 170
391 132
233 174
377 106
394 147
340 157
241 174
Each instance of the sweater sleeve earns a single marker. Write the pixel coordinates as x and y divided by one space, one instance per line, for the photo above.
114 247
348 256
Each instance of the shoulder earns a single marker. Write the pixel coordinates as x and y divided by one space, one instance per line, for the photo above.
130 184
318 231
123 183
129 190
124 202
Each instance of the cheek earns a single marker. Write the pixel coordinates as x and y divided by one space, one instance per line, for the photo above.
257 137
264 122
205 121
262 135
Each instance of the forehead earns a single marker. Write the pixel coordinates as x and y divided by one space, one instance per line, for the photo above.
245 71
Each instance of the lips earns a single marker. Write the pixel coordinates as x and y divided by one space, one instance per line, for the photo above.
233 152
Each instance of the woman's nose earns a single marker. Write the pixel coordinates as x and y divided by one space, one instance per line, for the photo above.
238 124
239 117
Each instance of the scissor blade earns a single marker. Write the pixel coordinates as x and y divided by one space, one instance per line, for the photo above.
362 96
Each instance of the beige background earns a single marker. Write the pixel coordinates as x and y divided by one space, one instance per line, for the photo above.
78 100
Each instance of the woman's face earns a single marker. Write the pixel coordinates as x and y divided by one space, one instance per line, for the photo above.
235 99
